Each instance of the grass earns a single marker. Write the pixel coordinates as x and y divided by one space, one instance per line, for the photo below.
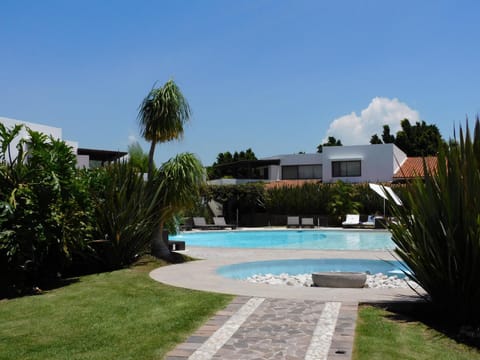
117 315
382 335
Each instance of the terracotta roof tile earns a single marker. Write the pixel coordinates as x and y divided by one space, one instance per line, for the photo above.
413 167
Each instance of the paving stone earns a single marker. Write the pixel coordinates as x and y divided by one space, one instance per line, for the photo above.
265 329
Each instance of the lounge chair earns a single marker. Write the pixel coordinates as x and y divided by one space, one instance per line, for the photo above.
293 221
200 223
370 223
351 220
307 222
220 222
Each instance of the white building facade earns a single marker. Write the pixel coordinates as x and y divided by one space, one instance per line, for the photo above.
353 164
84 156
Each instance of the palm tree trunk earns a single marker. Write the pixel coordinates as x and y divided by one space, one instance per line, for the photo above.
160 245
150 159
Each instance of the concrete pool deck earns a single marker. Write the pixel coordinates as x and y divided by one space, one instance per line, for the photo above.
201 275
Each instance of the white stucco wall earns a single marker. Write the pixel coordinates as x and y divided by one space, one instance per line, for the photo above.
275 171
378 162
47 130
53 131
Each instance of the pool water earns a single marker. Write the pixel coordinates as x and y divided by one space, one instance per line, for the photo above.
291 239
305 266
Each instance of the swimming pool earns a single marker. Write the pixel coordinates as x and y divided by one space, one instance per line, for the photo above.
291 239
305 266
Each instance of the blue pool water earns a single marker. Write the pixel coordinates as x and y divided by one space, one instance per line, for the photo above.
305 266
291 239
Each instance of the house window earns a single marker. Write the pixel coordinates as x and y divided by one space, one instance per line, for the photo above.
289 172
301 172
346 168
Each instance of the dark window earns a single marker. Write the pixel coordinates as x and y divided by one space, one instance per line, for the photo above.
346 168
289 172
301 172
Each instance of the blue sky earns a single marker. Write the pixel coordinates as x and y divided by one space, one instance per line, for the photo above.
276 76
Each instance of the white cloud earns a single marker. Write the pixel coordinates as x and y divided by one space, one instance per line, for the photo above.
132 139
353 129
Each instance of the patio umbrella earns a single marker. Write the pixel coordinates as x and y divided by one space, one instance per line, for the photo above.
386 193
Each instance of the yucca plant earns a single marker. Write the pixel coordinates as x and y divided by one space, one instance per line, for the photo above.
438 230
127 214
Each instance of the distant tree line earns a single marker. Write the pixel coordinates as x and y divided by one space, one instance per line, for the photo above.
415 140
419 139
217 172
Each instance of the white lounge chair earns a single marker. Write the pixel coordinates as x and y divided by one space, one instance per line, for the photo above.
370 223
351 220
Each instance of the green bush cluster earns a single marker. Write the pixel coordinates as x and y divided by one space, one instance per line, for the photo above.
55 218
45 209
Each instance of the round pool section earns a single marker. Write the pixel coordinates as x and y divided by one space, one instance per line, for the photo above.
305 266
291 239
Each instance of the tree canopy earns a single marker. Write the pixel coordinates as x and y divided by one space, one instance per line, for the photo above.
215 172
332 141
415 140
162 115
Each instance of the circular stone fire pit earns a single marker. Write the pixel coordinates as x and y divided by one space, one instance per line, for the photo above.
339 279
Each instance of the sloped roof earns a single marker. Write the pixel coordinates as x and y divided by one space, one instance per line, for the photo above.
412 167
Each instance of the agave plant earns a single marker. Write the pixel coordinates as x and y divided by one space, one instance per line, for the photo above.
438 232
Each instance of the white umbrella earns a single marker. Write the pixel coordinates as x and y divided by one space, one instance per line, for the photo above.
385 192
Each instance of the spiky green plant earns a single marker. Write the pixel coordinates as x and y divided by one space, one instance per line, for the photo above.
438 232
127 214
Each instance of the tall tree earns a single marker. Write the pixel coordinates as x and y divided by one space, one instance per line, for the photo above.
332 141
215 172
162 115
415 140
386 136
419 139
375 140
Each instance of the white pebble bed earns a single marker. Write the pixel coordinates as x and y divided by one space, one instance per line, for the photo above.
377 281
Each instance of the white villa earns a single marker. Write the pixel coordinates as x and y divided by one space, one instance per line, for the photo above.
353 164
86 158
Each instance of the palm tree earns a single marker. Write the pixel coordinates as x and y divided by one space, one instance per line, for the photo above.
162 115
179 181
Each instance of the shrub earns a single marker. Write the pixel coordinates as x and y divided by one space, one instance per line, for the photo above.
44 208
305 199
438 233
343 200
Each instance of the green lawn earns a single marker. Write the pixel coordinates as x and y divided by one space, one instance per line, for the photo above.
118 315
378 337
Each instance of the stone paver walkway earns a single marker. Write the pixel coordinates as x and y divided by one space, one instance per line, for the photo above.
264 328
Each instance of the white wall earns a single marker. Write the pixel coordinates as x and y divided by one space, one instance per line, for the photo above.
47 130
275 171
378 162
